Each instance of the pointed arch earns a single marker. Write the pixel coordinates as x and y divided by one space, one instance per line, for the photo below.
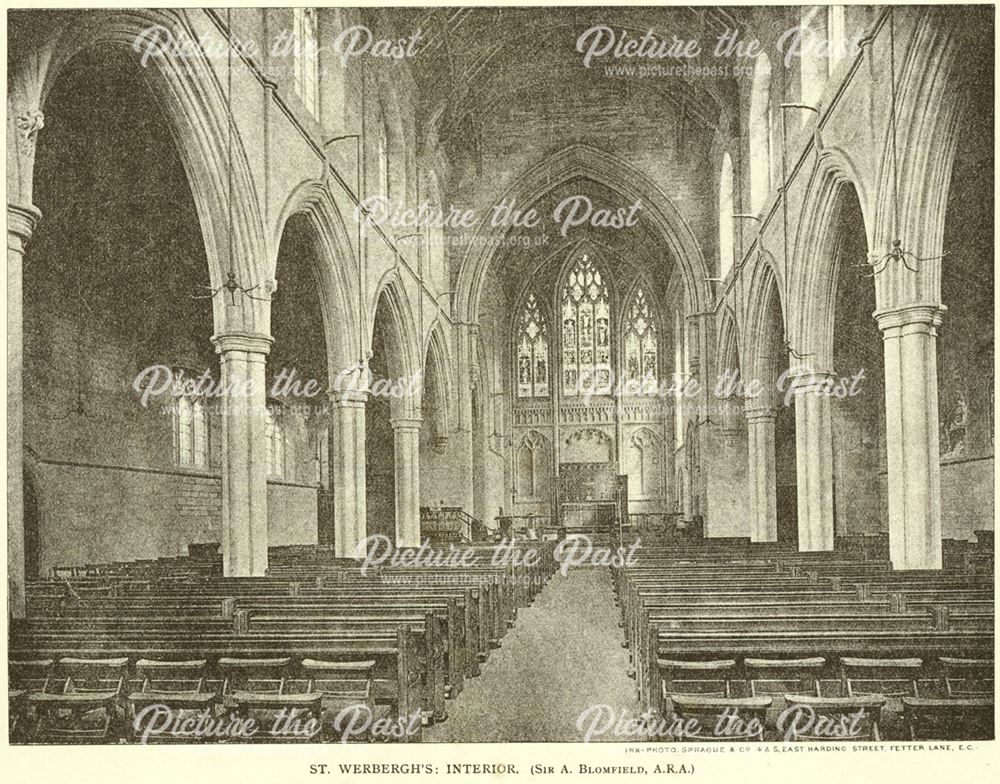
813 283
438 356
338 288
579 160
392 314
930 101
728 347
191 91
729 389
765 328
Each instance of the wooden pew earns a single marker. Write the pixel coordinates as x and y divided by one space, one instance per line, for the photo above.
397 681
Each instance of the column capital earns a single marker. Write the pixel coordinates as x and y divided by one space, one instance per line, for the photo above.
405 423
249 342
926 313
804 380
22 219
348 398
760 414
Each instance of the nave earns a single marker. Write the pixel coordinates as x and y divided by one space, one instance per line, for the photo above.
563 656
223 379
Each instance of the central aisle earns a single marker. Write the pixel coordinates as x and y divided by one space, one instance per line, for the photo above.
563 655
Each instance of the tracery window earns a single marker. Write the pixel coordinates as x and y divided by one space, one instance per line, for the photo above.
586 331
641 368
532 351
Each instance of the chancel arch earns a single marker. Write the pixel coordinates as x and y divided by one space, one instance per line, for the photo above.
583 161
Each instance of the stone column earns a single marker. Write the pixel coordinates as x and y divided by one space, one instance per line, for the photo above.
244 453
732 420
909 335
761 475
687 487
347 459
814 461
406 432
463 448
726 473
21 222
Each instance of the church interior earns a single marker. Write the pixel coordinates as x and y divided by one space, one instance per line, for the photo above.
696 363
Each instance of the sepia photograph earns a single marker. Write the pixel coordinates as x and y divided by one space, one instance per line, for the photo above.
500 392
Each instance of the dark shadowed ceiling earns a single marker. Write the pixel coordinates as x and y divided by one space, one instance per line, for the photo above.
475 59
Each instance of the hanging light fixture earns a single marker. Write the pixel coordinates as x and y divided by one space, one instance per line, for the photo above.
788 347
231 284
897 252
706 421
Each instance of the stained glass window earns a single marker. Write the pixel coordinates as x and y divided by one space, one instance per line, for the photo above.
586 338
532 351
641 368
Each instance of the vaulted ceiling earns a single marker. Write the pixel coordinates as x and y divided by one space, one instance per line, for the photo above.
474 60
